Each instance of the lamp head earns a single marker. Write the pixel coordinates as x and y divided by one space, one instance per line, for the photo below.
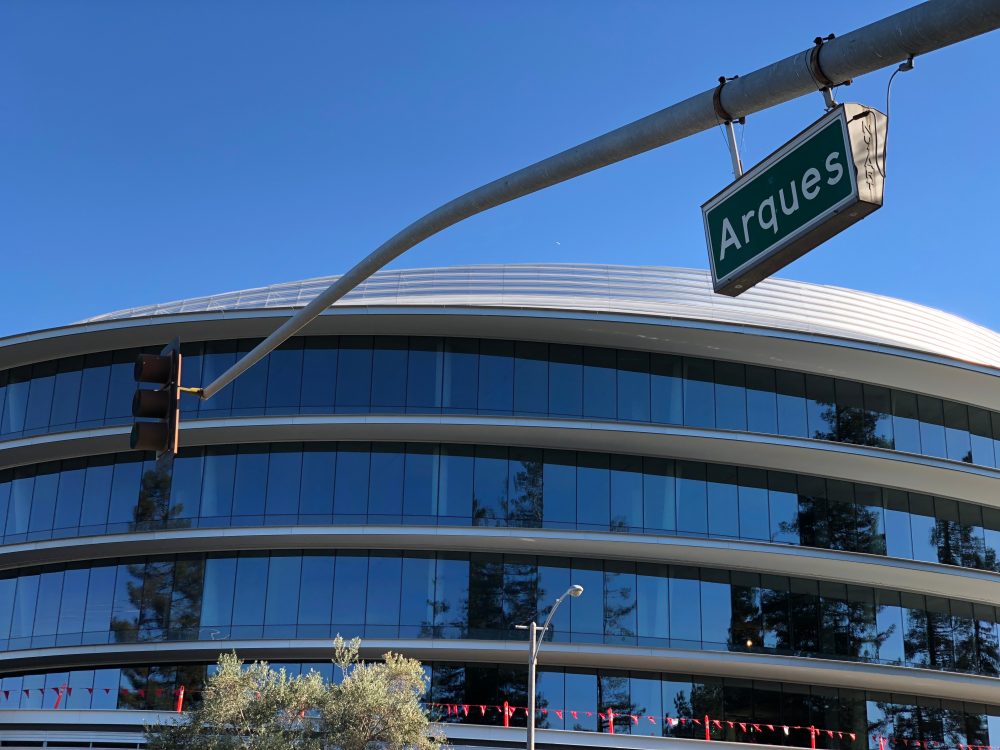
575 590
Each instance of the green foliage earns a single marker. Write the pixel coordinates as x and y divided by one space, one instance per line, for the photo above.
376 705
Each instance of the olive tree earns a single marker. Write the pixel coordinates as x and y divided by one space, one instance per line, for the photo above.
375 706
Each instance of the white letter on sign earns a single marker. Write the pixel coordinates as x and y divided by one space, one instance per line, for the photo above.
728 238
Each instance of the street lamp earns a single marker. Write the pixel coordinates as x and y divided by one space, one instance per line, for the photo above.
535 636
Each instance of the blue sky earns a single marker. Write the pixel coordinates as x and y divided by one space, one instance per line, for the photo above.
151 152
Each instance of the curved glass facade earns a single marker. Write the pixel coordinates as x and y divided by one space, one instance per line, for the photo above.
452 595
399 374
564 692
458 485
288 595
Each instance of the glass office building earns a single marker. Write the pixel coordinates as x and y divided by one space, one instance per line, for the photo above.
784 508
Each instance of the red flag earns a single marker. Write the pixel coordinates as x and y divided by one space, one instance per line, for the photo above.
697 721
743 726
107 691
651 719
123 691
731 724
6 694
770 727
602 717
69 691
27 693
142 693
852 735
785 730
465 709
717 723
558 713
544 711
482 710
574 715
829 733
159 692
756 727
635 719
589 713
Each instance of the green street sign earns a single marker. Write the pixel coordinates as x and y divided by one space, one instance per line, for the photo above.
828 177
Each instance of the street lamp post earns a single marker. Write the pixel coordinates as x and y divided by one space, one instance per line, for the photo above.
535 636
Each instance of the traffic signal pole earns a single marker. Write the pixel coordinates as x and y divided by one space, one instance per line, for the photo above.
910 33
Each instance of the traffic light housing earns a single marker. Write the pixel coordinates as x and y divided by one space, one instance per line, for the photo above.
161 404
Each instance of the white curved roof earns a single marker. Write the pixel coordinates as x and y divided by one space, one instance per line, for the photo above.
673 293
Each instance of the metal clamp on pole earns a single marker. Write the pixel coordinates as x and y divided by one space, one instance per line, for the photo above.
727 122
823 81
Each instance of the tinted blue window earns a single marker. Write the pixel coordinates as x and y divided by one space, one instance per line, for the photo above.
5 479
124 490
685 609
842 515
40 395
425 374
724 512
626 493
452 594
354 373
185 484
581 690
350 500
417 594
658 496
922 528
284 377
217 601
981 445
250 389
190 376
121 385
870 519
420 484
550 687
599 383
716 608
66 393
905 423
730 396
593 491
898 538
318 466
219 481
284 474
699 392
219 357
100 595
282 591
565 380
821 408
645 692
25 597
385 570
489 503
554 577
319 373
251 482
125 603
350 591
43 503
16 404
813 519
316 592
50 587
878 405
783 508
531 378
525 487
754 522
653 597
560 489
932 441
74 600
19 508
389 363
248 602
666 389
956 430
587 612
496 376
461 375
386 485
692 513
762 405
69 500
633 386
790 389
619 602
455 488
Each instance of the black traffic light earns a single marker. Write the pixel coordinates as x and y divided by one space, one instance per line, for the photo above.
161 404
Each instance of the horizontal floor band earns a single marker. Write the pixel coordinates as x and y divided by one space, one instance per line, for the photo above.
907 471
761 557
802 670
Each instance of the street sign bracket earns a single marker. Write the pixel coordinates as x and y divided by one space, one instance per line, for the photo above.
824 83
727 123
